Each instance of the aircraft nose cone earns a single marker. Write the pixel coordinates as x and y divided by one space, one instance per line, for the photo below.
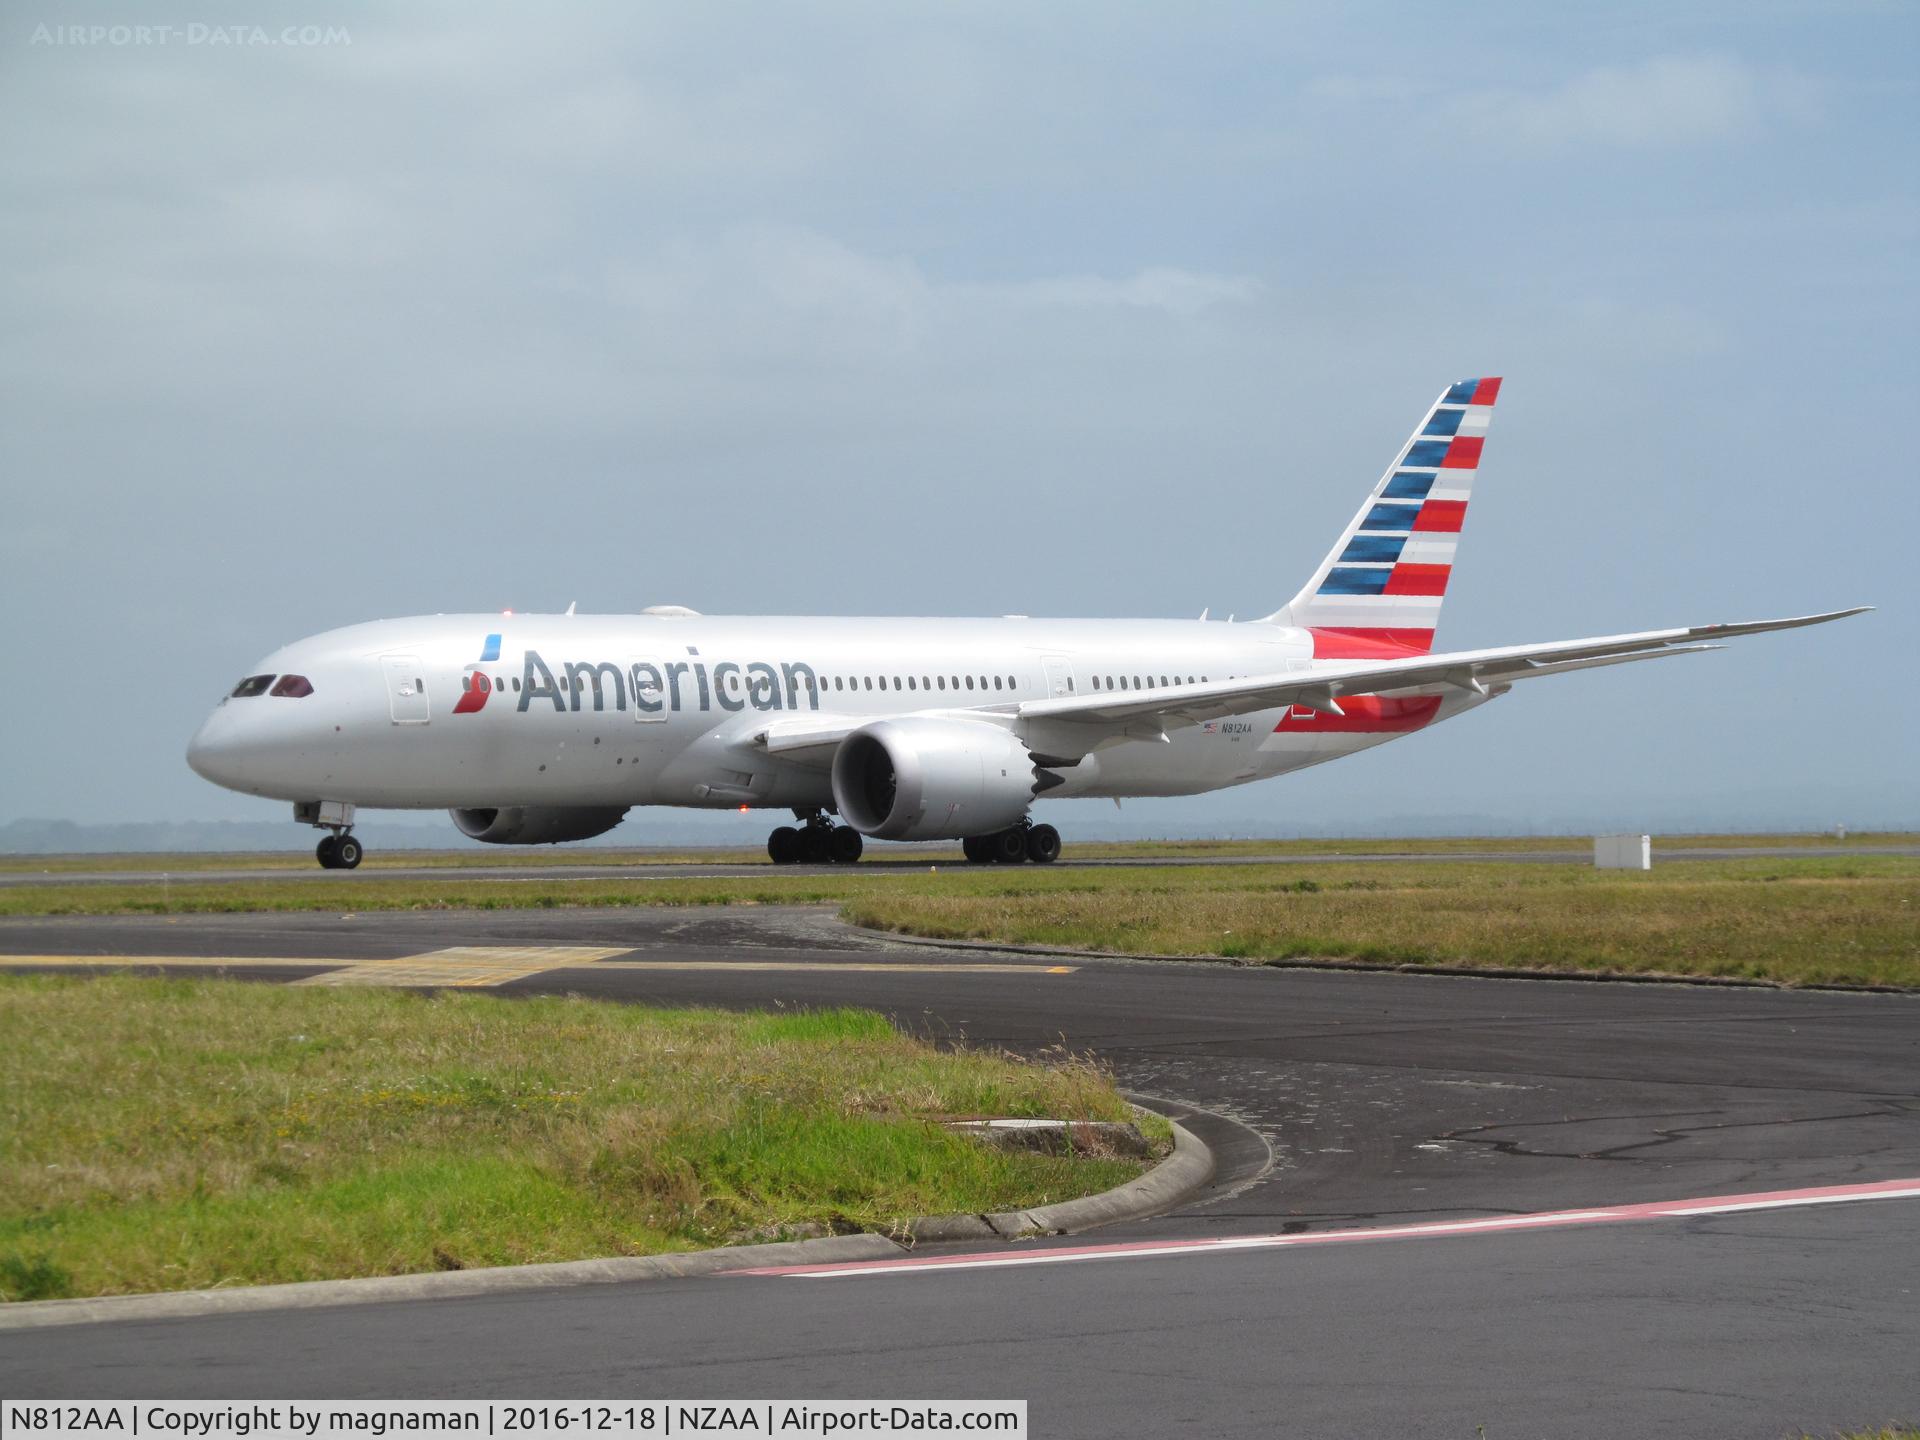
214 751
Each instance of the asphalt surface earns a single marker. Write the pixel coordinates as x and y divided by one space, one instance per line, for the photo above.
1335 1098
890 861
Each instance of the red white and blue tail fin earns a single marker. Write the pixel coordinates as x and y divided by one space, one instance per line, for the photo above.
1378 592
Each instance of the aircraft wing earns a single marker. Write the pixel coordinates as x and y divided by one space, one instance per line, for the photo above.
1148 714
1476 671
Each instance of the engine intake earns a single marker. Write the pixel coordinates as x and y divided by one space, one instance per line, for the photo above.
925 779
536 824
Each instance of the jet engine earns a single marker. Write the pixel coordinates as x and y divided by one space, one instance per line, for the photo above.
537 824
920 778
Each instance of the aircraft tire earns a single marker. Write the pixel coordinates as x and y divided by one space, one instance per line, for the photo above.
326 852
974 847
347 853
813 846
1007 847
783 845
1043 844
844 845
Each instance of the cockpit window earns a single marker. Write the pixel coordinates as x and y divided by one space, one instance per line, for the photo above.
293 685
251 686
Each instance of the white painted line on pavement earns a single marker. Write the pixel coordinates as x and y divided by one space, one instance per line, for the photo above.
1904 1189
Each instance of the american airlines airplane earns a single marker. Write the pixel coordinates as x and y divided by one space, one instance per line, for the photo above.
534 729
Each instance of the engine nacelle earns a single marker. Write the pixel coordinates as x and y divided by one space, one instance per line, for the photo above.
925 779
537 824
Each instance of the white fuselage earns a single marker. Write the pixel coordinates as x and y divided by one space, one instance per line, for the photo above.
590 710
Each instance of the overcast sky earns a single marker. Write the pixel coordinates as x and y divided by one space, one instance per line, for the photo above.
966 309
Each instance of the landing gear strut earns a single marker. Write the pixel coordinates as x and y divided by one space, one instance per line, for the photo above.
815 841
1025 841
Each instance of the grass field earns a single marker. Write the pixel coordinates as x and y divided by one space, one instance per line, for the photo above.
1848 920
164 1134
1828 920
546 856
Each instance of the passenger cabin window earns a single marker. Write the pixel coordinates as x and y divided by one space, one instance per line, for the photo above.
251 686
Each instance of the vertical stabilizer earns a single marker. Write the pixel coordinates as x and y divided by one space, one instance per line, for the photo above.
1378 592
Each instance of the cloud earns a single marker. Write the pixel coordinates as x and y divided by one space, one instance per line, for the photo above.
1666 101
1175 292
762 287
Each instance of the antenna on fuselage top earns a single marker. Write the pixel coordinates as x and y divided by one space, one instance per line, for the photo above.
1203 613
570 605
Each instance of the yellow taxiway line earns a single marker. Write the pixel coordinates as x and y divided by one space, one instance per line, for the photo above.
465 965
856 966
474 966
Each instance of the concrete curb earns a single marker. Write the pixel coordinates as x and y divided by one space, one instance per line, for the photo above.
1166 1185
439 1284
1161 1188
1373 967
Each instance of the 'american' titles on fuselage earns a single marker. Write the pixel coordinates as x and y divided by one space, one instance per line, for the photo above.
755 684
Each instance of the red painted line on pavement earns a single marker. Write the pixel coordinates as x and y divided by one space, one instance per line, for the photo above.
1547 1219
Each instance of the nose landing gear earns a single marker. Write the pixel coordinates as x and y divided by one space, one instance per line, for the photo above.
339 852
816 841
1017 843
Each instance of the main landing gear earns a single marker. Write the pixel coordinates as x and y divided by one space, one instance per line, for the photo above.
1011 846
815 841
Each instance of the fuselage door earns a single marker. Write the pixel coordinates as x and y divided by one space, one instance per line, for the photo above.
647 685
406 689
1059 675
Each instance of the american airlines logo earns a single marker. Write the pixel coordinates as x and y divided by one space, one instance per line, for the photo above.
667 687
